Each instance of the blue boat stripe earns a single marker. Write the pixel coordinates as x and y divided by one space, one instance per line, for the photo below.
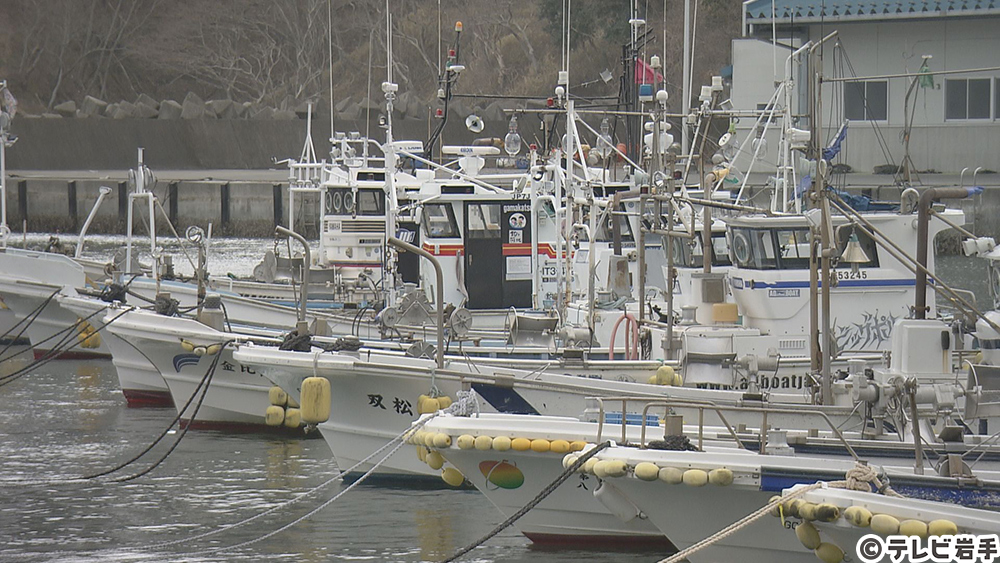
504 399
754 284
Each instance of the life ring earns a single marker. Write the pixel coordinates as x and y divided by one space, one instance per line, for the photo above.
741 249
337 201
349 202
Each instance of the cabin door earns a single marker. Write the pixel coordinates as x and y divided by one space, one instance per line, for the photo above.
408 263
483 255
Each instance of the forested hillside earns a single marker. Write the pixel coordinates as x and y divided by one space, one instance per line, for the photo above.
276 52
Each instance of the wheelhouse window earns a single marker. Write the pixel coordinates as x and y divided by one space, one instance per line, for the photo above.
967 98
793 248
866 242
484 220
371 202
604 230
788 248
688 253
342 201
866 101
439 221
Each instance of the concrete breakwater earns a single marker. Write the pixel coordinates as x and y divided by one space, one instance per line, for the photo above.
248 205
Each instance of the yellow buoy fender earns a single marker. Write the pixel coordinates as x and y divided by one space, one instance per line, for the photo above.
695 478
577 445
721 476
422 454
429 439
483 443
808 535
671 475
274 415
829 553
942 528
502 443
444 401
599 468
884 525
417 437
277 396
913 528
315 396
465 442
187 345
540 445
559 446
588 466
776 511
568 460
520 444
646 471
214 349
293 417
428 405
807 511
792 507
858 516
615 468
442 440
827 512
434 460
665 375
293 403
453 477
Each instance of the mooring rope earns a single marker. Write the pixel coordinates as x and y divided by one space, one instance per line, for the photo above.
205 382
58 349
534 502
30 318
400 438
858 478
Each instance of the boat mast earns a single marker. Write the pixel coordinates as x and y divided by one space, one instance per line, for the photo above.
8 108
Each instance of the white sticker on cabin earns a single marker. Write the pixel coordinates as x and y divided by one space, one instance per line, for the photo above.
518 268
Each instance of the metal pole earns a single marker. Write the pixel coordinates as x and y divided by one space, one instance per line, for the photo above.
4 229
105 190
306 261
439 274
686 78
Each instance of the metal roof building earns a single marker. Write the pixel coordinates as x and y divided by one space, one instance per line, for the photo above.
953 118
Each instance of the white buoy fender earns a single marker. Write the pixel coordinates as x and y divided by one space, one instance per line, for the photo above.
671 475
616 502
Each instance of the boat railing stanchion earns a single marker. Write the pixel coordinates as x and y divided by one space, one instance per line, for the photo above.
910 386
439 287
302 325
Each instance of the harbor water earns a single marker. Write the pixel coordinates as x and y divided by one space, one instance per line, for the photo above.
69 418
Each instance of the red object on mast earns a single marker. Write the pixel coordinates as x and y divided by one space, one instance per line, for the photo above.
645 74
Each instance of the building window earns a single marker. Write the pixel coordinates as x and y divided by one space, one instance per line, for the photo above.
866 100
967 98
